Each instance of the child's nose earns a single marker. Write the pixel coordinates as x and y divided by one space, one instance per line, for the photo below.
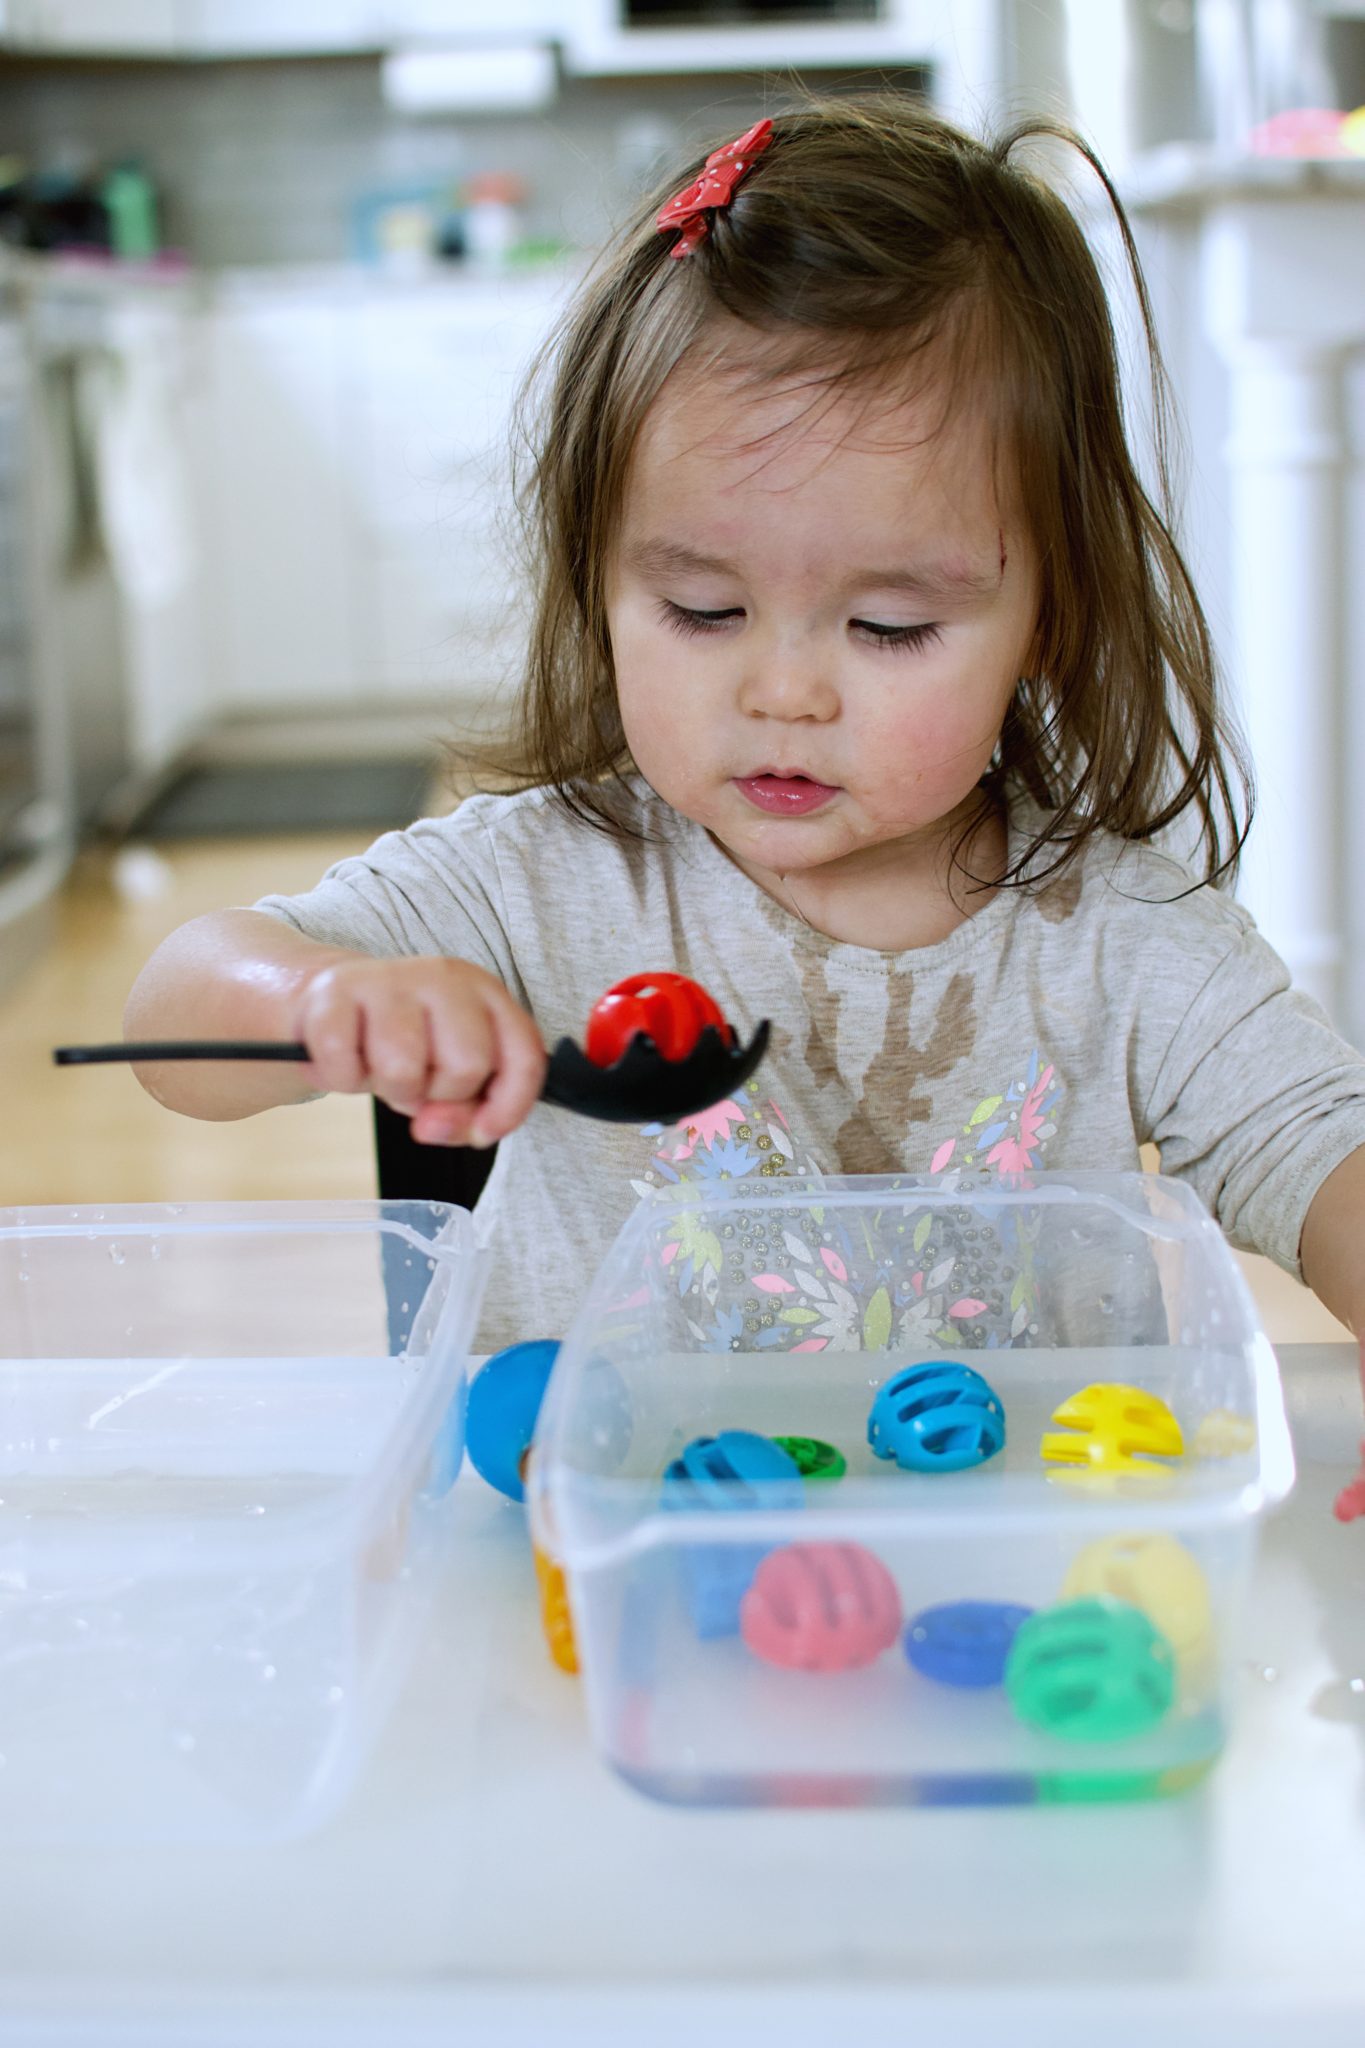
789 683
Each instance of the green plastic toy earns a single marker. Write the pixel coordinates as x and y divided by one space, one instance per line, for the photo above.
812 1458
1090 1671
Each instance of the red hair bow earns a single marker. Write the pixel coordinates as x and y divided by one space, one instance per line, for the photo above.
715 187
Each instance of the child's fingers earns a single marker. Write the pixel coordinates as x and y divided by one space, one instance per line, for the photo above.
396 1048
444 1123
464 1048
518 1072
330 1028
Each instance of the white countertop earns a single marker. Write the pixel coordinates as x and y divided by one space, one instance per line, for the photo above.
490 1880
1195 174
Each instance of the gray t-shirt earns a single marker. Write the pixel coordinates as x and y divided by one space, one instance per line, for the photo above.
1060 1027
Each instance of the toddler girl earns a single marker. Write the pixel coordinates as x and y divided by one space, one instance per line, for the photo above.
864 678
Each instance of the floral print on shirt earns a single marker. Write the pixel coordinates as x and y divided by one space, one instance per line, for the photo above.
803 1282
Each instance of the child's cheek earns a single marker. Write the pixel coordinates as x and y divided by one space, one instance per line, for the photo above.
933 756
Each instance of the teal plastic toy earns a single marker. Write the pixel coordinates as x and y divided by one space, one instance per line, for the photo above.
937 1417
504 1400
1090 1671
732 1473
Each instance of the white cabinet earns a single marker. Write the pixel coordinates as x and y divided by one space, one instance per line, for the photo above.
280 28
285 28
435 378
280 510
448 21
359 492
153 466
99 27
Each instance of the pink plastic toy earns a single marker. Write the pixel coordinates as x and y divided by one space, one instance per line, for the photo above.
821 1607
1350 1502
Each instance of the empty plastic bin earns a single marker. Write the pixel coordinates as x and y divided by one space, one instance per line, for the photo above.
228 1435
784 1310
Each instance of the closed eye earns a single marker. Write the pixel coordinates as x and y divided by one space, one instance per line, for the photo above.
683 619
897 636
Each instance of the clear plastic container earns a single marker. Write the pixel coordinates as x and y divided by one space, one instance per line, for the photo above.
782 1310
228 1435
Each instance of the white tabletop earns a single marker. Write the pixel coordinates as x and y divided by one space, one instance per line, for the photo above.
490 1880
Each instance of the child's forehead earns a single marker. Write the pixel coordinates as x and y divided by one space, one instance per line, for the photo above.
737 388
726 433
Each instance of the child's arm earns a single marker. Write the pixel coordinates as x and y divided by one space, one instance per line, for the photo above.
441 1040
1332 1256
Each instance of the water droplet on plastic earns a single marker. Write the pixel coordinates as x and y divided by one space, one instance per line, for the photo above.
1268 1673
1106 1304
256 1508
405 1308
334 1695
1341 1699
268 1674
117 1254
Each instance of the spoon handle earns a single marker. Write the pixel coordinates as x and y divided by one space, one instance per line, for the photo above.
181 1049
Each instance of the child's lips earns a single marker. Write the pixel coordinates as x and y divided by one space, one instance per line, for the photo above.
784 796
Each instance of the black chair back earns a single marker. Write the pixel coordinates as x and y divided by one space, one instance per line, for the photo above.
409 1172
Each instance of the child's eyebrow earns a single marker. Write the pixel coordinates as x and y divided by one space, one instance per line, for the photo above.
949 578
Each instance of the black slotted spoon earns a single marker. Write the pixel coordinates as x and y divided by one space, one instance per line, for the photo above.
640 1087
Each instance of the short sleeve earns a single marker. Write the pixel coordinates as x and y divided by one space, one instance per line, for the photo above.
433 889
1257 1099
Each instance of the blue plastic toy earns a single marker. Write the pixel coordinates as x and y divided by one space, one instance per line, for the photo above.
504 1401
937 1417
964 1642
729 1473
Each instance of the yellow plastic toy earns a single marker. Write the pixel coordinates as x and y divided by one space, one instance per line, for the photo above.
1223 1433
1157 1574
1111 1428
556 1621
555 1617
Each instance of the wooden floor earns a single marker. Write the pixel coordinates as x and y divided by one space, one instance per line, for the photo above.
72 1135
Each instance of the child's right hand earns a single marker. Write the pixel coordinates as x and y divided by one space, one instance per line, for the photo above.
439 1040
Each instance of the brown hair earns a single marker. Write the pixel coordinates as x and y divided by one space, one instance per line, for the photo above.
869 233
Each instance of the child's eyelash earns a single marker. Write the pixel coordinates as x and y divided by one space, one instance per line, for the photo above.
683 620
686 621
900 636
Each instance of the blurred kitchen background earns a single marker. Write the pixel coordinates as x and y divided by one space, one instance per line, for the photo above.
269 273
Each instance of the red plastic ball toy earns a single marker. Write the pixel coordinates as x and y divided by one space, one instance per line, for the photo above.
821 1607
668 1008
